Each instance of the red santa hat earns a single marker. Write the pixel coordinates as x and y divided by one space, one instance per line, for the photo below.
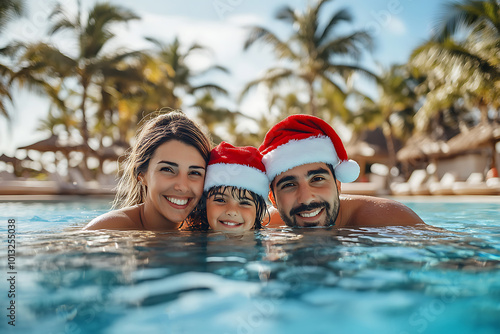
303 139
239 167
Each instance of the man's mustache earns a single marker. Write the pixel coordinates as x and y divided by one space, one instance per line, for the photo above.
309 207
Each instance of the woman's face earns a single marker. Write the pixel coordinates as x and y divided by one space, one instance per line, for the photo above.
226 212
174 180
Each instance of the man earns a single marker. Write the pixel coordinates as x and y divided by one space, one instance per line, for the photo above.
306 163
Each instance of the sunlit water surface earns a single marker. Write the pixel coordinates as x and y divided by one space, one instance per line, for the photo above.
367 280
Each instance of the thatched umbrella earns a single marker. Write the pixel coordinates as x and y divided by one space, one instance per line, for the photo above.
370 147
422 147
113 152
480 136
53 144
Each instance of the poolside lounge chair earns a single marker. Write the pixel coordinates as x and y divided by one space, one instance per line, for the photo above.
444 186
494 183
28 187
82 186
416 184
475 185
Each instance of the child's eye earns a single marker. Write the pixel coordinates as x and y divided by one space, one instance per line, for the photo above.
219 199
196 173
246 203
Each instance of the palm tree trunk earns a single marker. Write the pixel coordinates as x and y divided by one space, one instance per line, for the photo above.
483 107
387 130
312 103
84 126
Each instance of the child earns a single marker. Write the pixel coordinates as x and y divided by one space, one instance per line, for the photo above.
234 190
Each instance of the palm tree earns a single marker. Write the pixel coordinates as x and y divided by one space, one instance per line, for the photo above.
315 53
462 59
9 10
45 67
90 63
395 108
175 77
219 118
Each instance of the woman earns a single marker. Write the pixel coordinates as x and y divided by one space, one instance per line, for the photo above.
163 177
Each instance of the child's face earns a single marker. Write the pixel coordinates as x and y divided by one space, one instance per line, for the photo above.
229 213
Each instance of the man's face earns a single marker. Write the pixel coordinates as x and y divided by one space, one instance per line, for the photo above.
307 196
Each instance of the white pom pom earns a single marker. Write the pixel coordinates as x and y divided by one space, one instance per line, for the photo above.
347 171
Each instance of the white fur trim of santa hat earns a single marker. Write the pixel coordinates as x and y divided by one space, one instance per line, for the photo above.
236 175
305 151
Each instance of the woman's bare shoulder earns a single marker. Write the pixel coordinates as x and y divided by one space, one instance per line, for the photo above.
122 219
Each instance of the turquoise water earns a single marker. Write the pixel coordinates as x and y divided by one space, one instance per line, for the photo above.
370 280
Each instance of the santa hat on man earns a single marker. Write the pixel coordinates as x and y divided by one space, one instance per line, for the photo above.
302 139
239 167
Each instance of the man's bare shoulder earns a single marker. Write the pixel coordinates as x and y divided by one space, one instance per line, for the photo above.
360 210
123 219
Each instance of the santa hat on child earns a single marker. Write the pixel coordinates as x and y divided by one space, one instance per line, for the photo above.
302 139
239 167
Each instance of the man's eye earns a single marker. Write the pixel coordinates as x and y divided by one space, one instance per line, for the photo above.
318 178
287 185
195 172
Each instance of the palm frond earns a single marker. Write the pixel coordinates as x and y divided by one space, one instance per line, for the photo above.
286 14
271 77
281 48
212 88
350 45
343 15
9 10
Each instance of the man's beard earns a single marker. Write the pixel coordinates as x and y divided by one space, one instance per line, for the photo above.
331 214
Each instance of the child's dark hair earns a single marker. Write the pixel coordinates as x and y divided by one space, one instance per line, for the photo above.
198 218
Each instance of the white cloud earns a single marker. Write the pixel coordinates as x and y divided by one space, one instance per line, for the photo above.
396 26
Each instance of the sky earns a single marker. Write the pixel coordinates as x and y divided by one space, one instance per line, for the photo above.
398 26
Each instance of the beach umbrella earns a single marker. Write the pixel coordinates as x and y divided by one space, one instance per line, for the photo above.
113 152
371 146
53 144
480 136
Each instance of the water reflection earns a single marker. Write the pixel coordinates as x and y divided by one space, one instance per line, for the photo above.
96 279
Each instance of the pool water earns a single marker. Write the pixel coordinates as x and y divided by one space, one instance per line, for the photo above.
366 280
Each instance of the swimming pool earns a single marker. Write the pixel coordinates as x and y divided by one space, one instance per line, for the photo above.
370 280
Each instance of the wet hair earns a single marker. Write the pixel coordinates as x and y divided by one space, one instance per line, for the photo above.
157 130
198 220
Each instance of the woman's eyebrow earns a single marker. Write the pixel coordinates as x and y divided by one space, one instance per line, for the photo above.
173 164
168 163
